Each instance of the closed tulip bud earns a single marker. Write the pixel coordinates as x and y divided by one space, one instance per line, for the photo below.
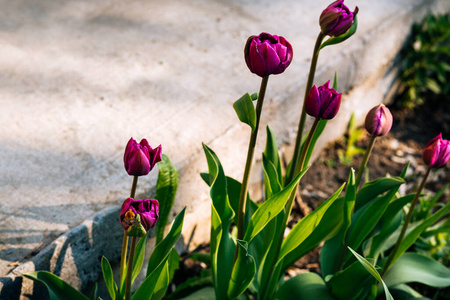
140 159
437 152
147 209
336 19
378 120
267 54
323 102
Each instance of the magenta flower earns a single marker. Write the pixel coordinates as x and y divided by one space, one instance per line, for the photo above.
323 102
378 120
147 209
336 19
140 159
267 54
437 152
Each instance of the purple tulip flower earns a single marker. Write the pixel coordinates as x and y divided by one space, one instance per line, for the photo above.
437 152
336 19
147 209
267 54
323 102
140 159
378 120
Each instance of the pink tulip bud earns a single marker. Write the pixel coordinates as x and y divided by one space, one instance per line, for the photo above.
267 54
323 102
336 19
147 209
140 159
378 120
437 152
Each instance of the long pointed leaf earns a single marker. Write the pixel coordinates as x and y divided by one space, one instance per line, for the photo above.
270 209
166 189
306 286
57 288
243 272
371 269
108 277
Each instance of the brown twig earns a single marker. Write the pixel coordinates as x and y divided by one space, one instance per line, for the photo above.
13 264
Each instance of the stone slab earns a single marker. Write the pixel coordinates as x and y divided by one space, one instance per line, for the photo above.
78 78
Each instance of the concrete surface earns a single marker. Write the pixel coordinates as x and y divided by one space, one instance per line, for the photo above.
78 78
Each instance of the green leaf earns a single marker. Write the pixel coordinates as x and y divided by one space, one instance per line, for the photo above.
243 272
335 81
412 235
245 110
206 293
320 128
270 209
108 277
93 295
350 283
137 229
174 264
218 192
306 286
413 267
371 190
162 250
271 154
138 259
192 284
254 96
272 184
57 288
405 292
166 189
163 281
371 269
333 251
317 226
365 219
342 37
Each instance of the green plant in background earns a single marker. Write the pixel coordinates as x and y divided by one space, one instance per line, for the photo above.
425 62
353 136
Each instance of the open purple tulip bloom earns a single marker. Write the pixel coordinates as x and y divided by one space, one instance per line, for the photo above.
140 159
147 209
267 54
437 152
378 120
336 19
323 102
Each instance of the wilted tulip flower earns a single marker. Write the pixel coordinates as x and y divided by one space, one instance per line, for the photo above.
323 102
437 152
336 19
147 209
140 159
267 54
378 120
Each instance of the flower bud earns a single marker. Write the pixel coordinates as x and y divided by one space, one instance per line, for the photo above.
323 102
267 54
437 152
147 209
378 120
336 19
140 159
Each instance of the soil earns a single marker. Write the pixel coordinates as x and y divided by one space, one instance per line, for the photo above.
411 130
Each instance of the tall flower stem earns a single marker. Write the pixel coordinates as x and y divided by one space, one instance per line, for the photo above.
301 124
405 225
248 164
130 268
290 201
363 165
125 237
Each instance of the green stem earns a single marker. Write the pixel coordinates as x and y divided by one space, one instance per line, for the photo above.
301 124
130 268
405 225
125 237
290 201
248 163
364 161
